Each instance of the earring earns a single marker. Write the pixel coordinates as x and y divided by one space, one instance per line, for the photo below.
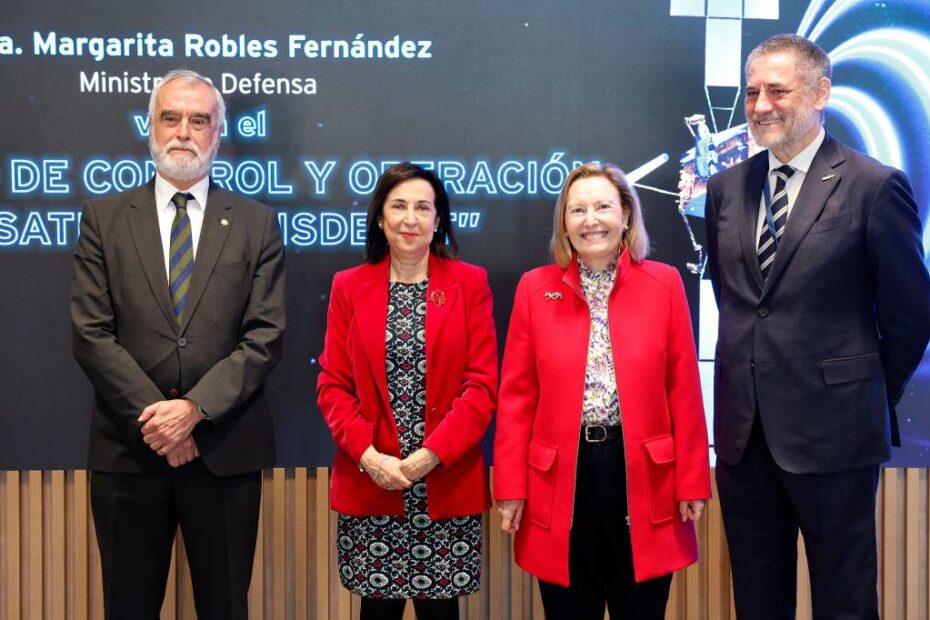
380 224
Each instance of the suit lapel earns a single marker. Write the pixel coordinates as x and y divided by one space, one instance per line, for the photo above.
213 236
146 236
748 222
440 299
807 206
370 301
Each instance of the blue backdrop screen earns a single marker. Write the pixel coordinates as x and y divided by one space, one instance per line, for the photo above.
500 98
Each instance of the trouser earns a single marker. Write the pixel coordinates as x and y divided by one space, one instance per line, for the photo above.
764 506
600 559
136 517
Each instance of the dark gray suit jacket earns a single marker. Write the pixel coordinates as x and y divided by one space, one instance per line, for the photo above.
825 345
128 343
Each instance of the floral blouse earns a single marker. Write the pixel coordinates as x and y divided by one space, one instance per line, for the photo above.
601 403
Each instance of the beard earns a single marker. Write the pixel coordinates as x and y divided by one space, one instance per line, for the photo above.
181 166
795 126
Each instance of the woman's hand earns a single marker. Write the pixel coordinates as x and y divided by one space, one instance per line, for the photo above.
691 509
419 463
384 470
392 478
511 514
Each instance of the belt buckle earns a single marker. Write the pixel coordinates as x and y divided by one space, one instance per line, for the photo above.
597 437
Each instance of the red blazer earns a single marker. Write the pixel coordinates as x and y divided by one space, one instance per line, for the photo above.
461 385
539 414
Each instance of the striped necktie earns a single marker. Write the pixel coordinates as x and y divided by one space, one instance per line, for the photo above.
776 217
180 255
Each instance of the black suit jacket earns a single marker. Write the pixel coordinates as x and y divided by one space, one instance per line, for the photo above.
824 346
129 344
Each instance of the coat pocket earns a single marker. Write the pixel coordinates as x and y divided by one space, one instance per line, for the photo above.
540 482
232 268
853 368
830 223
661 466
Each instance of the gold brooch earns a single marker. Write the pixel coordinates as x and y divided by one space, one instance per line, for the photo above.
553 296
437 297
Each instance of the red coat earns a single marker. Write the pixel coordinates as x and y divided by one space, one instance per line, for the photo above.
539 414
461 385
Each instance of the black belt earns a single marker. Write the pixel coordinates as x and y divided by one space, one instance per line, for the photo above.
598 433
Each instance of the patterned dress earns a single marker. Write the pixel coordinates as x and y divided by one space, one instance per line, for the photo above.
409 556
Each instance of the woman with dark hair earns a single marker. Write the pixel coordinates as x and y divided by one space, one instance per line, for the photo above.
601 456
407 384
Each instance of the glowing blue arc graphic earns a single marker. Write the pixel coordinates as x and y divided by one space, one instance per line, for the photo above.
836 10
839 9
871 121
809 16
905 53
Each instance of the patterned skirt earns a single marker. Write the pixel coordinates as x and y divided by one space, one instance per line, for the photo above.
410 556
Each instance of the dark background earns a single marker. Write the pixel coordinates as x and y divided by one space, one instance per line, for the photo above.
507 80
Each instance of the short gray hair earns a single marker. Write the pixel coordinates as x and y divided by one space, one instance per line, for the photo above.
188 77
812 61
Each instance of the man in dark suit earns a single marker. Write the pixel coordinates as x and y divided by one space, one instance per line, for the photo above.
177 310
815 255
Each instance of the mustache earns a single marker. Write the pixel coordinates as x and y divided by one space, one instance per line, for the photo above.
175 143
761 118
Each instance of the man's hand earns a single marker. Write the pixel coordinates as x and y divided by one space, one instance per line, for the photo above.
419 463
185 453
167 423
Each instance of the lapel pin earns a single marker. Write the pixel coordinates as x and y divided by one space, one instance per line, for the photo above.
553 296
224 222
828 177
437 297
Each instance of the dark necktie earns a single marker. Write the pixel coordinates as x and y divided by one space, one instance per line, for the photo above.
180 255
777 214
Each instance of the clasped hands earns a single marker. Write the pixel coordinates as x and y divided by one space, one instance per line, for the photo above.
166 429
393 474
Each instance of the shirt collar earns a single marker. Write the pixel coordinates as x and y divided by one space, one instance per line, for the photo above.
802 161
165 191
597 278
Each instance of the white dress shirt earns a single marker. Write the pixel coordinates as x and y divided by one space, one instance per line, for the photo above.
801 164
164 192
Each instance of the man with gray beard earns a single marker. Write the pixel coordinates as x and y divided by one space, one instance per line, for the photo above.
177 311
815 255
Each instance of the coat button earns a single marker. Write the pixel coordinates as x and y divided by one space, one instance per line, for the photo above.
174 393
762 312
182 342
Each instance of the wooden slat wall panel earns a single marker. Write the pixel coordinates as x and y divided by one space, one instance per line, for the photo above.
714 603
34 537
893 513
50 564
914 516
76 502
10 537
54 496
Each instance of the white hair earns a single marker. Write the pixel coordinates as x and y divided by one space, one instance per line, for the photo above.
188 77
